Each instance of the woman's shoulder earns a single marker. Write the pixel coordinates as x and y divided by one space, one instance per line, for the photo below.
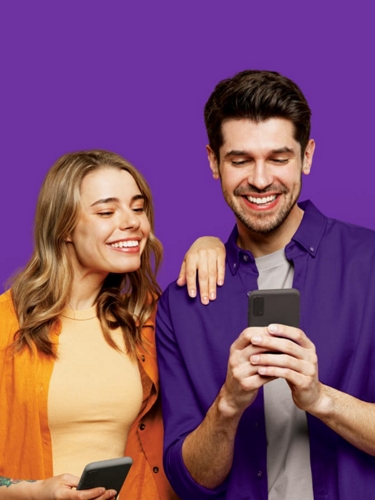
8 318
6 304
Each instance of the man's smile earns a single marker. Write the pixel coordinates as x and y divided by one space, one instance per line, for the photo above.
261 200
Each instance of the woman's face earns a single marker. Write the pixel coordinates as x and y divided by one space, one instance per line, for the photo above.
112 227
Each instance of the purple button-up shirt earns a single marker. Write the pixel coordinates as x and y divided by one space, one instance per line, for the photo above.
334 270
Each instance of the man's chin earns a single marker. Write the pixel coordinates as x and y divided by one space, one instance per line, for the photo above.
263 224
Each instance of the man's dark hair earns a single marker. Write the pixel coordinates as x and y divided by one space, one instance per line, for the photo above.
257 95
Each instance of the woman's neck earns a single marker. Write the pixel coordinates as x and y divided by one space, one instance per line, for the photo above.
84 291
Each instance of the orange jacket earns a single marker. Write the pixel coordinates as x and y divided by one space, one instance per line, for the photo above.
25 440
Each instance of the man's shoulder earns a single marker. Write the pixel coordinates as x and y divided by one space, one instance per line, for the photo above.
351 228
316 221
349 232
173 289
172 295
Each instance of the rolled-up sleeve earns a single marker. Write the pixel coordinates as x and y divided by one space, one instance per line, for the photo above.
182 409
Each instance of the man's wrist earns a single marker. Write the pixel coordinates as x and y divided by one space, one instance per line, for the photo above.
323 408
227 406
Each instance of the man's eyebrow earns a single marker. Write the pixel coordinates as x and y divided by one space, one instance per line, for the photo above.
237 152
285 149
116 200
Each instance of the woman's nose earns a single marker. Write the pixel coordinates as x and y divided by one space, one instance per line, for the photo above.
129 220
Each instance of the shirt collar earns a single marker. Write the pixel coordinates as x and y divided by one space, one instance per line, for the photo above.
308 237
310 232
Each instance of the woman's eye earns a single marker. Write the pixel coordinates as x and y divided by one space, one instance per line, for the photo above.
105 214
138 209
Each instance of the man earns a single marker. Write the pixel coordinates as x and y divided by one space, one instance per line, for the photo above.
242 422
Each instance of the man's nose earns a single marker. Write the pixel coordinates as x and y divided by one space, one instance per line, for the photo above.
260 175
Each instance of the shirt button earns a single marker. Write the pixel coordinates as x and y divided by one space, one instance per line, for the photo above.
142 426
245 258
156 469
234 265
259 474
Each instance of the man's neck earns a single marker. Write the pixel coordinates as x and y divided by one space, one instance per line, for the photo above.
260 244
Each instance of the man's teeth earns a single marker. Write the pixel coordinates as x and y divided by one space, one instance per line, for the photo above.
125 244
261 201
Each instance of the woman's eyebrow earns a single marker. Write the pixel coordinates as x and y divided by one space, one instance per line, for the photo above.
116 200
105 200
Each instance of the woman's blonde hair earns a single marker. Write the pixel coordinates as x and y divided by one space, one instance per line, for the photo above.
41 290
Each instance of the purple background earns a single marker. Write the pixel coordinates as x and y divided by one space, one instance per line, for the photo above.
133 77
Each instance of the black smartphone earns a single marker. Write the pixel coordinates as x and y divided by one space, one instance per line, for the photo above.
274 306
108 474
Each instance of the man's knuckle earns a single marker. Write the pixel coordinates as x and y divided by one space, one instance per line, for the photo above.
314 359
202 252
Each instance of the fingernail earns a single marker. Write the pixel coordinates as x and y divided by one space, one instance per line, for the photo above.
205 300
212 296
192 292
262 370
254 359
220 282
272 328
256 339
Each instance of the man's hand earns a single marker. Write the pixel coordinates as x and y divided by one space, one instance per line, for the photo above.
291 355
297 363
243 379
207 256
208 450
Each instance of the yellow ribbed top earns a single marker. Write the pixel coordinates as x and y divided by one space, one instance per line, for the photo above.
94 396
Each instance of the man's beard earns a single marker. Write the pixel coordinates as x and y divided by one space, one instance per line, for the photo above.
263 223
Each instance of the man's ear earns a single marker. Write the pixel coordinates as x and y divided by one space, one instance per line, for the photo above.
214 165
308 157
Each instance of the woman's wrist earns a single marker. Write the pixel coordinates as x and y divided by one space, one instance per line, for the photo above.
15 489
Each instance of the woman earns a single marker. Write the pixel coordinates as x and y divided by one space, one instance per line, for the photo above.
78 376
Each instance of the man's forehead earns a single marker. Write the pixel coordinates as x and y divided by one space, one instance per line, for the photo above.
274 133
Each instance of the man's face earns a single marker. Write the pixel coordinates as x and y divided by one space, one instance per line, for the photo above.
260 170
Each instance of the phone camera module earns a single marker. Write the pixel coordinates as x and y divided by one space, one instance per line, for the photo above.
258 306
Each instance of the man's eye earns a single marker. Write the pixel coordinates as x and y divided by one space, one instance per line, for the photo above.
238 162
280 161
